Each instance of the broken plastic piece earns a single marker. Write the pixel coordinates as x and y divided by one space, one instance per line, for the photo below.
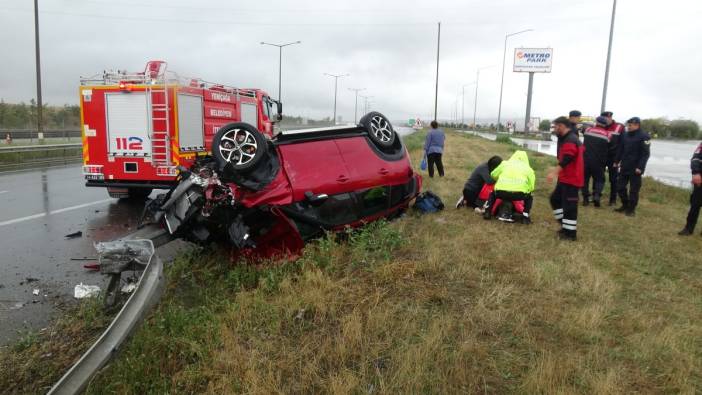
92 266
35 291
85 291
129 288
74 235
118 256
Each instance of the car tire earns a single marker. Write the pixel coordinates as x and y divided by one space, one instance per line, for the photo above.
379 129
238 146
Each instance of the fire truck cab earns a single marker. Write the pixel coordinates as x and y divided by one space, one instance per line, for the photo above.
137 128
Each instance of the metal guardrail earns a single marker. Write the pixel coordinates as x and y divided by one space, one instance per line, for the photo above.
147 294
25 134
32 156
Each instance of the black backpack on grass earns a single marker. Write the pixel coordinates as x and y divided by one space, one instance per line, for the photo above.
428 202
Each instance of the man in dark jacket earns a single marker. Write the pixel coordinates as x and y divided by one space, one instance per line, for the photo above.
574 118
570 172
596 150
696 196
478 178
615 130
632 156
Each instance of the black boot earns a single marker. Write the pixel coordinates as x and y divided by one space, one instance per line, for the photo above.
685 232
569 235
624 208
586 202
596 203
612 202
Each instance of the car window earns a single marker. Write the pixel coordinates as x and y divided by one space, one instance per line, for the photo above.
373 200
401 192
338 209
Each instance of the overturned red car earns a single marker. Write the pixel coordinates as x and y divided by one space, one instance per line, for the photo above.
267 196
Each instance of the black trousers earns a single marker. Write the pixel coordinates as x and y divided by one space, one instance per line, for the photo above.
435 159
564 201
695 204
596 172
613 174
512 196
471 197
630 197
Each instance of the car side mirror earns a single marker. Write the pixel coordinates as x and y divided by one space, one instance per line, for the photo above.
316 200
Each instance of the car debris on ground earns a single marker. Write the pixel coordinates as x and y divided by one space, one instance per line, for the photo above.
74 235
82 291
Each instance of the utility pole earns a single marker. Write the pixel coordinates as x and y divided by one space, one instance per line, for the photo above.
436 91
463 103
609 55
280 61
355 107
502 83
475 103
336 80
40 106
365 102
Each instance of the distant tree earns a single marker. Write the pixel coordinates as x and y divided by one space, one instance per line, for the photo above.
656 127
545 125
684 129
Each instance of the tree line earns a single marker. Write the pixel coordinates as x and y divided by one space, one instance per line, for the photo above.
24 116
686 129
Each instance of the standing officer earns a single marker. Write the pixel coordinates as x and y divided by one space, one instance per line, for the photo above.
615 130
574 118
696 197
596 150
632 155
564 199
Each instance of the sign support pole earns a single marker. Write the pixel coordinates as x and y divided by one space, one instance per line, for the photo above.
528 106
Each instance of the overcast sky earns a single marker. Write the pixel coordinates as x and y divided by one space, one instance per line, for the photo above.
388 47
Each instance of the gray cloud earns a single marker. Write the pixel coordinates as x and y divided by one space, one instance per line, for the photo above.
388 48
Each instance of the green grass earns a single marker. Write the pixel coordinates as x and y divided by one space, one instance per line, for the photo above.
443 303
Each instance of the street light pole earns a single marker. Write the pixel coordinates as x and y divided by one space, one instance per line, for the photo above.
40 122
609 55
504 57
436 90
475 103
365 102
463 103
336 79
355 107
280 61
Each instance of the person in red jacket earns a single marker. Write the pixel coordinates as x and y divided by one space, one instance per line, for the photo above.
570 172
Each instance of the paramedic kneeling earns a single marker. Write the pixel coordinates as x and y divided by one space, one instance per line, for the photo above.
514 180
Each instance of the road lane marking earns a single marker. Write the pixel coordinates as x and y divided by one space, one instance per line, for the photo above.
58 211
1 192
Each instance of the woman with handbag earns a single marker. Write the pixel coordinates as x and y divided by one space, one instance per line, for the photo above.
434 148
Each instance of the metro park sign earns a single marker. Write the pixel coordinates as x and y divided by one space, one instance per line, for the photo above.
533 60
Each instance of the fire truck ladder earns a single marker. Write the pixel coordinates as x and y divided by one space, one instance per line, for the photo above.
160 122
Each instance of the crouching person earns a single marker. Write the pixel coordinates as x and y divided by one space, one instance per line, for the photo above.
514 181
475 187
570 173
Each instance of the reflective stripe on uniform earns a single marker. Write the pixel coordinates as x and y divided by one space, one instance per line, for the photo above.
558 213
570 227
570 221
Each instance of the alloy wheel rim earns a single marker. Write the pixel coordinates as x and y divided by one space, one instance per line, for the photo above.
380 128
238 146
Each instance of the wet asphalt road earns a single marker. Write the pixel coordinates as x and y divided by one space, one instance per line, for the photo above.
39 208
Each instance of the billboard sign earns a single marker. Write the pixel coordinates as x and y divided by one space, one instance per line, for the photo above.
533 60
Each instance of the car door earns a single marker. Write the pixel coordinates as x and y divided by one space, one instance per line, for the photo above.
366 166
316 167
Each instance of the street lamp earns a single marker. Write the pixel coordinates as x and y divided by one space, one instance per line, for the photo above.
280 60
355 108
463 102
504 56
336 79
609 55
475 103
365 103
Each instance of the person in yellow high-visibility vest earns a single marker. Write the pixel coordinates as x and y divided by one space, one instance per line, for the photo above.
515 180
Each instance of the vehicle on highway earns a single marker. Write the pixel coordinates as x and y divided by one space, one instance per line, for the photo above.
267 197
138 127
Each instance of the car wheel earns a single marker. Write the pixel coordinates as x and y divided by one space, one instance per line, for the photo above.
238 146
379 129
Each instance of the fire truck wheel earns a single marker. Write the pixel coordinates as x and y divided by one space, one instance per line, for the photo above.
239 146
379 129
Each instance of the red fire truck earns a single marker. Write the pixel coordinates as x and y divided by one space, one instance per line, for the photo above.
138 127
